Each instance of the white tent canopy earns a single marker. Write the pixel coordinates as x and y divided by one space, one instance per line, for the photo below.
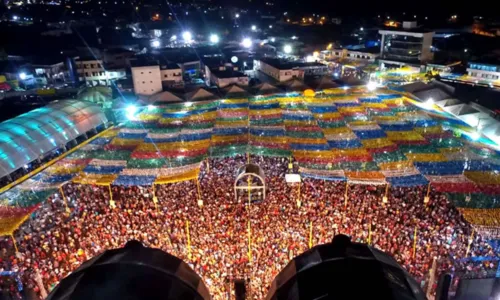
34 134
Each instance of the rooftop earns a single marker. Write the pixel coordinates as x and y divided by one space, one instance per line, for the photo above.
169 66
228 73
412 30
285 65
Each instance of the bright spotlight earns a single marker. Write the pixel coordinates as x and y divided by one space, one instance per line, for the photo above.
345 88
237 16
151 107
247 42
475 136
294 37
371 85
336 74
234 59
22 76
214 39
254 28
273 40
131 111
187 36
430 101
270 26
156 44
287 49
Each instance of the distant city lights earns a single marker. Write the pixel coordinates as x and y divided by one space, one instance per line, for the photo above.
214 39
247 42
287 49
187 36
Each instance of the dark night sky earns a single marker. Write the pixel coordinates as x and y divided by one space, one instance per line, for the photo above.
369 7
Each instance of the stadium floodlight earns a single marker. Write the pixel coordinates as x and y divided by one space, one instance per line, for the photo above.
372 85
156 44
287 49
214 39
187 36
247 42
475 136
22 76
131 111
254 28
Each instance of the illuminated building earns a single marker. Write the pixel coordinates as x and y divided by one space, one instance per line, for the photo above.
409 45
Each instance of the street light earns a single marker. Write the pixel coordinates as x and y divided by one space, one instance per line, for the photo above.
247 42
187 36
287 49
214 39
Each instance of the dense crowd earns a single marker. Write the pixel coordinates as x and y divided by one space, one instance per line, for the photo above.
53 242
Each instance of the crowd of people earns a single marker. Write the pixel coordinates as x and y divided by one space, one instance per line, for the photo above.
230 238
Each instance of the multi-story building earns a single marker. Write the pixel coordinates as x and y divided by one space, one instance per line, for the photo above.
146 79
225 76
409 45
151 77
484 71
171 74
281 70
94 72
363 55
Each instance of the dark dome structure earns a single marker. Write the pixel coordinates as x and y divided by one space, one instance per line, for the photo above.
344 270
129 273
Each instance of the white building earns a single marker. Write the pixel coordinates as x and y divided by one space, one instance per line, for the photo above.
147 79
285 70
93 72
224 76
408 45
171 75
357 55
484 71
